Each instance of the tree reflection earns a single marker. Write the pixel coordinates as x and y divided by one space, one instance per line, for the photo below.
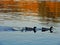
46 13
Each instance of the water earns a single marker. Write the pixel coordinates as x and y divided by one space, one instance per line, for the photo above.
16 20
28 38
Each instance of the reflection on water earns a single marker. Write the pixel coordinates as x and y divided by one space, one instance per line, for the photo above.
35 19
